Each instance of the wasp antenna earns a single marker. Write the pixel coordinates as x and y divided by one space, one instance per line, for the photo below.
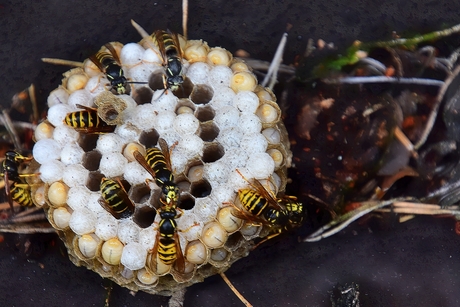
139 29
237 293
184 17
62 62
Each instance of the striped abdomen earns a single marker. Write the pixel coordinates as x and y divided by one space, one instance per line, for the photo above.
252 201
116 199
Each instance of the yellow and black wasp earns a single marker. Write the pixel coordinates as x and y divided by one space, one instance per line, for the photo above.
169 46
18 191
115 199
87 121
279 214
109 63
158 163
167 246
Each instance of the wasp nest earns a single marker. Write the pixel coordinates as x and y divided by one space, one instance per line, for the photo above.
217 122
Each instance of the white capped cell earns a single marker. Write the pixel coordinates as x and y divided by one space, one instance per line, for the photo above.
164 121
128 132
128 231
57 114
219 76
191 223
94 205
74 175
235 159
58 96
222 97
46 150
44 130
222 193
83 221
246 101
216 172
186 124
253 143
131 54
272 135
64 134
109 143
134 173
134 256
82 97
198 73
152 56
140 73
77 197
147 237
260 165
226 117
51 171
178 162
230 138
249 123
164 101
112 164
236 181
144 116
106 227
96 85
61 217
205 210
191 146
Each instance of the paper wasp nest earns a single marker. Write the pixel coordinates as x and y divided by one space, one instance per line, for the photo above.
217 122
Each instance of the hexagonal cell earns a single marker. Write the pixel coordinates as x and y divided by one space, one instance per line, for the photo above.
183 184
139 193
143 95
200 188
202 94
213 152
204 114
88 142
185 106
186 202
91 160
208 131
144 216
94 181
219 257
156 80
149 138
194 171
185 90
234 241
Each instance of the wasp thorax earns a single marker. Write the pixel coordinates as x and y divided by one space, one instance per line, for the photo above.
143 185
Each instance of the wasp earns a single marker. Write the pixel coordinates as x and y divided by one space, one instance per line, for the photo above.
169 46
167 247
115 199
18 191
158 163
87 121
279 214
109 63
